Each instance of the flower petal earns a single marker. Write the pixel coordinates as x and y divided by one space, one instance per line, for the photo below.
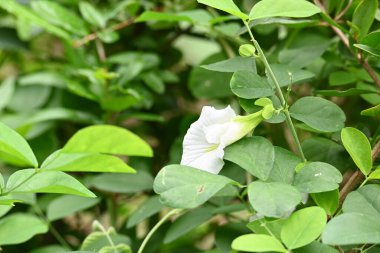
210 161
201 152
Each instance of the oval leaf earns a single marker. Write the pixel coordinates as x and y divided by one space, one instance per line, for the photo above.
247 84
318 113
185 187
303 227
273 199
12 228
283 8
257 243
225 5
359 148
107 139
254 154
14 149
317 177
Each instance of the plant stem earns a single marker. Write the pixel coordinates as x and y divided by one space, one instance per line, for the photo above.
157 226
279 92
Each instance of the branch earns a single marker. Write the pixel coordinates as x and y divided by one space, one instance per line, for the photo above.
93 36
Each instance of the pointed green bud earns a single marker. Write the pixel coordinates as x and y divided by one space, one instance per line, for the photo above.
268 110
247 50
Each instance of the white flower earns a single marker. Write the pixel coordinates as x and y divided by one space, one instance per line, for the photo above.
204 142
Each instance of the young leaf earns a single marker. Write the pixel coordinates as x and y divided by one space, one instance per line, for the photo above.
107 139
371 112
303 227
225 5
364 16
318 113
368 49
283 8
257 243
359 148
352 228
247 84
60 16
86 162
254 154
317 177
14 149
187 222
185 187
28 180
20 227
273 199
92 15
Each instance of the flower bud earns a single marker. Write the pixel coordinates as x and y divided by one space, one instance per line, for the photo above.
247 50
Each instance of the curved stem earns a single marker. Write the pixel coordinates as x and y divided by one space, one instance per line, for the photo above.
157 226
279 92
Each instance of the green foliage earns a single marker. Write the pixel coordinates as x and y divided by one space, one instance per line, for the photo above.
98 101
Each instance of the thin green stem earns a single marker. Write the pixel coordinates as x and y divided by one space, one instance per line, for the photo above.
279 92
157 226
54 232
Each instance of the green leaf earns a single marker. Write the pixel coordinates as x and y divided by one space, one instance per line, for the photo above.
371 112
14 149
66 205
7 88
283 8
371 50
341 78
285 163
23 12
19 227
204 83
375 174
225 5
365 200
287 75
273 199
318 113
254 154
303 227
153 81
359 148
237 63
107 139
144 211
86 162
58 15
31 180
185 187
329 201
123 183
92 15
247 84
160 16
317 177
187 222
352 228
364 16
95 241
257 243
316 247
343 93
